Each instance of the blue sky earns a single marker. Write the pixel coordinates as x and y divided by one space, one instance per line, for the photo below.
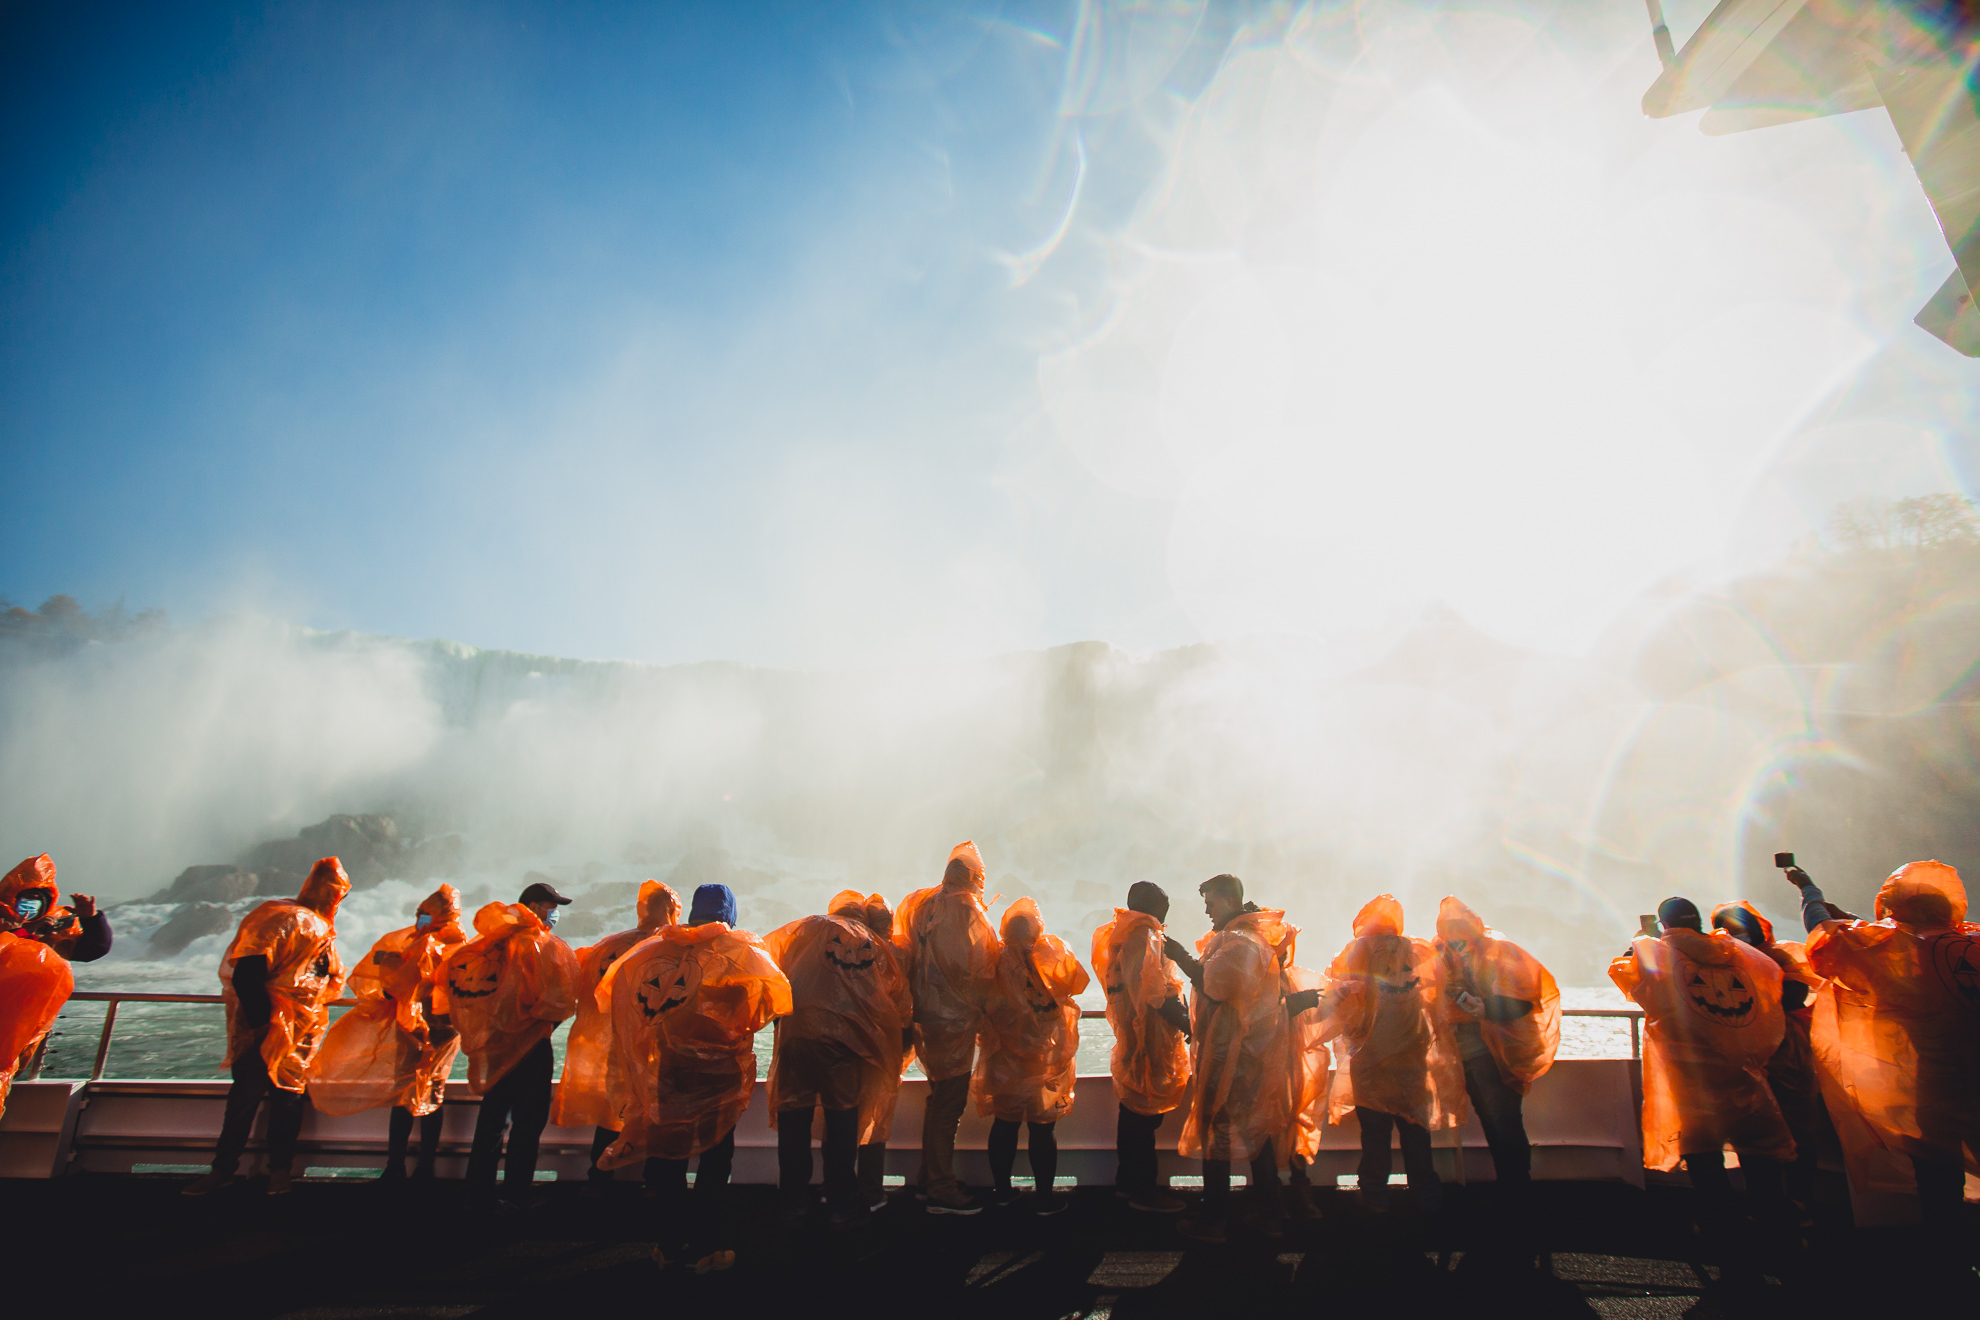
844 334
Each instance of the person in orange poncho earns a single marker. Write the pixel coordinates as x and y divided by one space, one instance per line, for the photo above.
1792 1072
951 956
1240 1095
883 1086
686 1007
584 1096
29 909
1898 1022
505 991
1309 1063
1712 1019
1026 1048
35 981
1504 1011
1403 1072
850 1012
1150 1063
278 978
387 1051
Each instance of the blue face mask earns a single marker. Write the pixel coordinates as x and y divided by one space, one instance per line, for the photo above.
31 906
421 920
550 917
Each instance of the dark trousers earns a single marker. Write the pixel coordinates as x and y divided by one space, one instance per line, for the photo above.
1134 1144
285 1114
1499 1110
1941 1188
600 1139
1264 1177
873 1173
1376 1161
399 1135
841 1155
1718 1211
519 1100
695 1219
1041 1149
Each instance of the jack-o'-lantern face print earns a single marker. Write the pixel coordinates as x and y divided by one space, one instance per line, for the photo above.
1956 958
849 952
476 976
666 984
1721 995
1392 965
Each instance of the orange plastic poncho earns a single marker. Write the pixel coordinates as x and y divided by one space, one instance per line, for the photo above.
1384 989
35 981
1241 1096
1309 1066
686 1007
1898 1024
951 956
847 988
57 926
584 1094
1151 1057
1487 964
505 990
383 1052
1025 1066
1712 1018
298 937
1792 1072
882 1092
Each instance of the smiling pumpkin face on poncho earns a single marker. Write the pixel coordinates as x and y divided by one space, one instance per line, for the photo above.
1400 1056
584 1093
1712 1020
506 989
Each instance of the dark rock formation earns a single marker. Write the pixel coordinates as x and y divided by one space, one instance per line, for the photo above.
191 922
208 884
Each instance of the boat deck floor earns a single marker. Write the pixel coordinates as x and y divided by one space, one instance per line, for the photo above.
130 1245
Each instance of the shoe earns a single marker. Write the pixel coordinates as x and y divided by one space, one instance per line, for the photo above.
1047 1204
1303 1205
207 1183
281 1182
715 1262
663 1258
1203 1230
422 1172
955 1204
394 1172
1266 1226
1156 1203
879 1203
846 1218
1003 1196
794 1212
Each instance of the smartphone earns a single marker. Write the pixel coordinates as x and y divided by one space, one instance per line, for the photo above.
1785 861
1650 925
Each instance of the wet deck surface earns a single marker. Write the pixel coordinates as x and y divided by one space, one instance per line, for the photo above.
132 1245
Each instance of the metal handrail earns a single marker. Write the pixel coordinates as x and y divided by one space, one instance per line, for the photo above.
115 997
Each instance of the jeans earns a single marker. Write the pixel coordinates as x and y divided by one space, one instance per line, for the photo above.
1498 1107
1134 1144
1376 1161
841 1156
1042 1149
1719 1216
399 1136
939 1121
1264 1177
697 1219
520 1100
285 1114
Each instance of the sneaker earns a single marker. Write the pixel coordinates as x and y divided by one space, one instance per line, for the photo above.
879 1202
793 1211
1048 1204
1203 1230
1267 1226
1003 1196
1303 1204
846 1218
1156 1203
207 1183
957 1203
281 1182
715 1262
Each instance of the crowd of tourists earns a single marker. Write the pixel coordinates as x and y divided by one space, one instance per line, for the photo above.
1861 1039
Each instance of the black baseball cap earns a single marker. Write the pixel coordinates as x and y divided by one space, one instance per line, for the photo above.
542 893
